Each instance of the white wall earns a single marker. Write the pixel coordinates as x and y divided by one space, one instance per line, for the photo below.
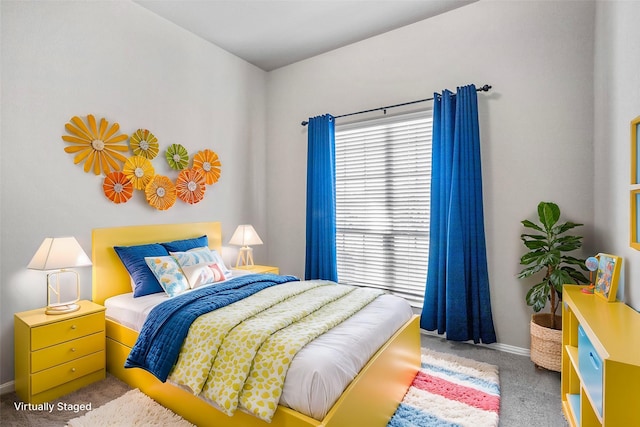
119 61
617 102
536 123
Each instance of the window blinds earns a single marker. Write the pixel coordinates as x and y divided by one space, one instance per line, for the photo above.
383 171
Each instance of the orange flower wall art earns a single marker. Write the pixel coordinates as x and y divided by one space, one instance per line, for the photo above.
117 187
99 147
210 165
160 192
190 185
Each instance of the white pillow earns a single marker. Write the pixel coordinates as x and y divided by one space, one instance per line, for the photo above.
203 273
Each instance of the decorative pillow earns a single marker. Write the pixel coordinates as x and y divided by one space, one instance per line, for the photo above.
144 282
186 244
169 274
203 274
218 258
200 255
193 256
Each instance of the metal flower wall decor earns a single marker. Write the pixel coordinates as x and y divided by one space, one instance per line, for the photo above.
104 151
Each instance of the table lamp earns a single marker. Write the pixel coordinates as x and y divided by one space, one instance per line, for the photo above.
59 254
244 236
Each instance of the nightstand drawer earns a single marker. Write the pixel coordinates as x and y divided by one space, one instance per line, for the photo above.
70 350
66 330
49 378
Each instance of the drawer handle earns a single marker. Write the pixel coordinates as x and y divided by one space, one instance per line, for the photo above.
594 361
73 369
73 349
73 326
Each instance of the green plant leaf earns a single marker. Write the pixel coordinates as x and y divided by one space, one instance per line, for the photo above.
533 257
534 244
563 228
529 271
538 295
549 214
530 224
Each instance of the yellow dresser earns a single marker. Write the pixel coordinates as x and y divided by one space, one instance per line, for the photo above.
600 361
57 354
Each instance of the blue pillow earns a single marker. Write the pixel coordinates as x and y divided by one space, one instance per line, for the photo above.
132 257
186 244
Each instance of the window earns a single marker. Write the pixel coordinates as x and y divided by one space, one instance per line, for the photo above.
383 174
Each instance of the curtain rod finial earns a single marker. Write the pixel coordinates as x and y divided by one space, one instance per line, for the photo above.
304 123
485 88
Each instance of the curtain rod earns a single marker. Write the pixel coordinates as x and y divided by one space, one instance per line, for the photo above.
484 88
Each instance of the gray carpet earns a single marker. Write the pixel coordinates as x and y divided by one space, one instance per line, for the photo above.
529 396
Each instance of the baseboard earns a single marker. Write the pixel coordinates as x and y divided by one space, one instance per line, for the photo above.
496 346
8 387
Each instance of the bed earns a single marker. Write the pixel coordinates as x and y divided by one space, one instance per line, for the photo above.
370 399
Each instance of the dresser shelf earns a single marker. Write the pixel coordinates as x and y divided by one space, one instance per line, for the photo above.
600 384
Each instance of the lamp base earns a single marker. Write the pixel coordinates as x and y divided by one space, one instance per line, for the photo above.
245 257
61 309
68 305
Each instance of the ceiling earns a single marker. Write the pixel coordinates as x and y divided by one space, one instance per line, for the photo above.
271 34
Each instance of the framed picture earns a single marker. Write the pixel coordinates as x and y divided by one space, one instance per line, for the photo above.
607 276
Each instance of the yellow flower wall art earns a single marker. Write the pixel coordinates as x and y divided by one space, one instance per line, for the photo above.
177 156
190 185
160 192
99 147
210 165
117 187
144 143
139 170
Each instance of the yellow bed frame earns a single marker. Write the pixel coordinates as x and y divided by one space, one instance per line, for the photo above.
370 400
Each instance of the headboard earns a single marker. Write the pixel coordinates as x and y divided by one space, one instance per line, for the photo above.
110 277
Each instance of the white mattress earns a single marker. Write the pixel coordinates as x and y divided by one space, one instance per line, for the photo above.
322 369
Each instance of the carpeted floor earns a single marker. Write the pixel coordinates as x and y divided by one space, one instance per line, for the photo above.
528 395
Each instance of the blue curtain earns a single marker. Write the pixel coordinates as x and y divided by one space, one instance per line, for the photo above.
457 293
321 200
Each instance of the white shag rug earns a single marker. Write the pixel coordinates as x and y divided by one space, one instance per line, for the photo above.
133 408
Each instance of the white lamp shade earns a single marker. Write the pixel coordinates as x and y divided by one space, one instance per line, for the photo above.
245 235
56 253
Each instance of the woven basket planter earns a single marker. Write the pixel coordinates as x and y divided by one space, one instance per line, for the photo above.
546 343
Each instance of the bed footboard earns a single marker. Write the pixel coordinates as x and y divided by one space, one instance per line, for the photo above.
370 399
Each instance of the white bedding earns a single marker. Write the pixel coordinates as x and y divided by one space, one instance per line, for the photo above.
321 370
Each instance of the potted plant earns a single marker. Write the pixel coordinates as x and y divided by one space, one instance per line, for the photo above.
548 244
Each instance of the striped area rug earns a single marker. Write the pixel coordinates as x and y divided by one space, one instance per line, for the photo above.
450 391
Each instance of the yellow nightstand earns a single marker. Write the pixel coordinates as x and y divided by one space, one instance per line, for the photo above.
259 269
57 354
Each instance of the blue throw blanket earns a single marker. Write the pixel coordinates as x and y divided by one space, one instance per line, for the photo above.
167 325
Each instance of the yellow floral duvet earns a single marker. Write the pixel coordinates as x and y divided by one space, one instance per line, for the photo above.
238 356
